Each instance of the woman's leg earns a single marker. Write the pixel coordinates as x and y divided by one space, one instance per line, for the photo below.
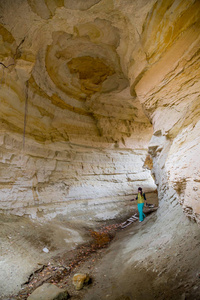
142 211
140 208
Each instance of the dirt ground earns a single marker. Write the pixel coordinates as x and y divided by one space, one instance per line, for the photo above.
22 245
23 241
156 259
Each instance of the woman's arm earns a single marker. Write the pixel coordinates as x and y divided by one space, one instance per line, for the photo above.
134 199
145 198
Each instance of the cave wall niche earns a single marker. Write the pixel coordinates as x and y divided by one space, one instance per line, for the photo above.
90 89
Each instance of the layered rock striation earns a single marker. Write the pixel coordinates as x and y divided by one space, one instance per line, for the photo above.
169 92
88 84
73 139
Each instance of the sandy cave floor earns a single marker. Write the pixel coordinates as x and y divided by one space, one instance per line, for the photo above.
156 259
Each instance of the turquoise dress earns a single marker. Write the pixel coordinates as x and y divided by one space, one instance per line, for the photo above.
140 204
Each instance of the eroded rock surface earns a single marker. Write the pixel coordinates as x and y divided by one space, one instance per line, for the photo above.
73 138
94 96
84 85
168 88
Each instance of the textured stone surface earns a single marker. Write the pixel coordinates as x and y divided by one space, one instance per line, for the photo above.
88 84
90 88
79 280
169 91
72 137
48 291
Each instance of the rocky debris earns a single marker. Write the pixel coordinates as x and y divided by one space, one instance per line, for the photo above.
79 280
49 291
46 250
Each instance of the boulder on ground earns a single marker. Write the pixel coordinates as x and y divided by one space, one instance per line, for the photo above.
79 280
49 291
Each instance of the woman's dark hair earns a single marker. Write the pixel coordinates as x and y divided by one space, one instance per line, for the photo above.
140 189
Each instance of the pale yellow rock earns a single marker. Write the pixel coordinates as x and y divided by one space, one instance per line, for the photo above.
79 280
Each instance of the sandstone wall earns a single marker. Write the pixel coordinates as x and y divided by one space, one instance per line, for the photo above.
168 87
73 139
88 84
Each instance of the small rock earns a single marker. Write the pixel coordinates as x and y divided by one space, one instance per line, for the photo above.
49 291
45 250
183 296
79 280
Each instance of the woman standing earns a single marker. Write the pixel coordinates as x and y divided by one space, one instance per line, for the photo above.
140 203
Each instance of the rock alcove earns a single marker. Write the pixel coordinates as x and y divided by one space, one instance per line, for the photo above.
97 97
